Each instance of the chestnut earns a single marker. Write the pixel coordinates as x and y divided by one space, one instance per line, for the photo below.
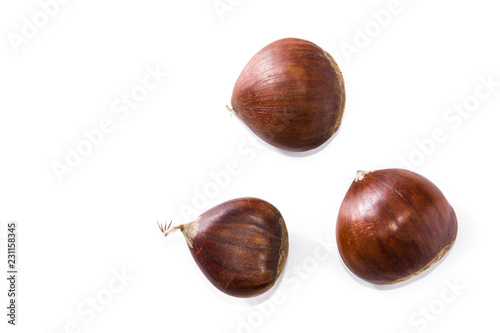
241 245
393 224
291 94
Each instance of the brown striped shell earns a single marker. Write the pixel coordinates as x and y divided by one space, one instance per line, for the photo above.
291 94
393 224
241 245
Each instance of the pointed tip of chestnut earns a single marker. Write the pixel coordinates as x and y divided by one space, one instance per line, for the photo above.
360 175
392 225
291 94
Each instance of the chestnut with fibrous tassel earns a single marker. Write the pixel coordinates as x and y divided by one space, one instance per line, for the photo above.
291 94
393 224
241 245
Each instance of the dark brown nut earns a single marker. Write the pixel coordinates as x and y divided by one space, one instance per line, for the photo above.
291 94
393 224
241 245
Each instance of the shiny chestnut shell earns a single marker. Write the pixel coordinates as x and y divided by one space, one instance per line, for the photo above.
241 245
291 94
393 224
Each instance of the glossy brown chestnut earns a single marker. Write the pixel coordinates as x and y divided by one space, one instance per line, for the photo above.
291 94
393 224
241 245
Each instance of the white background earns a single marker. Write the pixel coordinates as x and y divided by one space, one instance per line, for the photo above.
100 220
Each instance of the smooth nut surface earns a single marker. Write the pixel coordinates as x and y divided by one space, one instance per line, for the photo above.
291 94
241 246
393 224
